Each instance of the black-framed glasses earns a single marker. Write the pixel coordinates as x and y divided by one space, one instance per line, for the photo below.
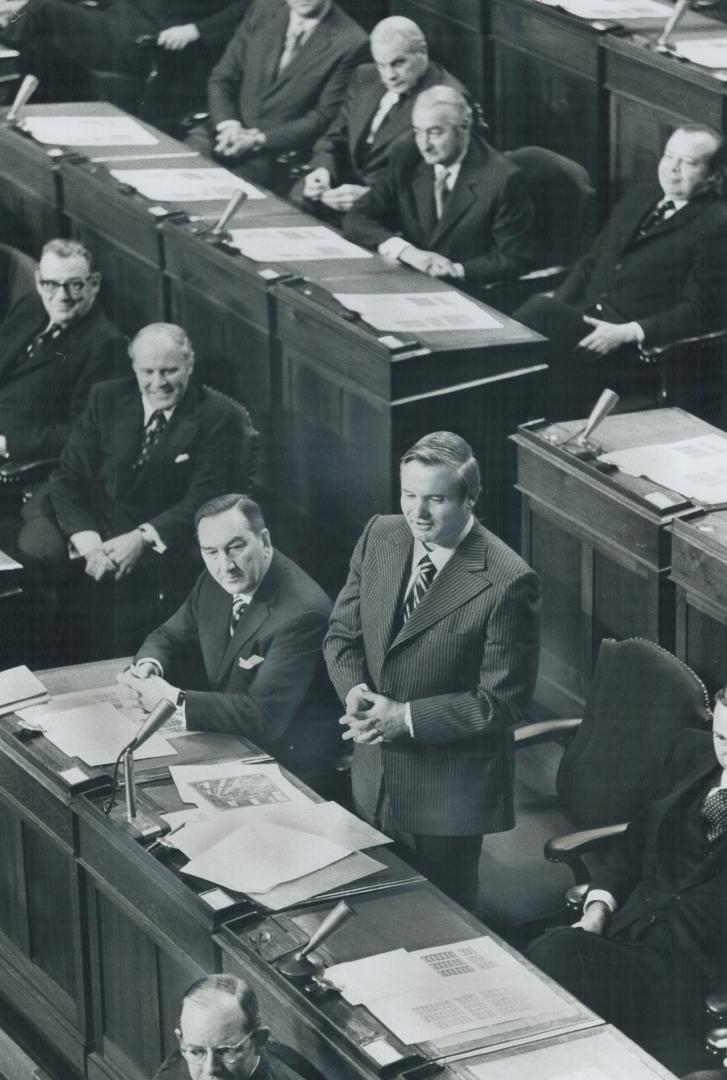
228 1055
72 286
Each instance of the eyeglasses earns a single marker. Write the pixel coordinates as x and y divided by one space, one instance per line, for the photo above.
228 1055
73 286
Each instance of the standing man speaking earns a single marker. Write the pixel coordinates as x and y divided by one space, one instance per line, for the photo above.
433 648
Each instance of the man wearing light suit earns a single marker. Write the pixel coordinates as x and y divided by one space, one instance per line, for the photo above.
278 84
433 648
652 942
448 204
254 624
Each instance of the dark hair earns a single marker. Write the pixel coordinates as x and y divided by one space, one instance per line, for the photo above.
205 989
68 249
247 506
452 451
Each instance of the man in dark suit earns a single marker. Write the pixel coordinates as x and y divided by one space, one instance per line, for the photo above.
433 648
656 273
652 942
54 344
376 113
254 623
279 83
221 1035
447 204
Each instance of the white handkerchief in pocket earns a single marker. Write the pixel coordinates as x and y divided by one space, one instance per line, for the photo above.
250 662
180 458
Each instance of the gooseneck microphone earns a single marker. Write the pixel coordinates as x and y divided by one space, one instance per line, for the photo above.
25 91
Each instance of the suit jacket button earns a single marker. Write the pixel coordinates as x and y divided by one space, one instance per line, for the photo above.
618 266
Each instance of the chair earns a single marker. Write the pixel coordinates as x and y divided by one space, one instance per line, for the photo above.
691 373
17 277
641 699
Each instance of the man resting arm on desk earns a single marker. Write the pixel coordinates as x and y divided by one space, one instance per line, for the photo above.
254 622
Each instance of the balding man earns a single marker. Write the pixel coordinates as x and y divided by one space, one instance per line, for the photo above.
221 1034
376 113
447 204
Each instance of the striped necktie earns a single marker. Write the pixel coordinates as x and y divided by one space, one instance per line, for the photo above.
49 334
152 433
240 604
425 576
715 813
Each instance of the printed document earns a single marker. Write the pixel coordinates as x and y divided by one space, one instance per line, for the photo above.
613 9
709 52
88 131
98 733
696 468
418 312
186 185
295 244
231 784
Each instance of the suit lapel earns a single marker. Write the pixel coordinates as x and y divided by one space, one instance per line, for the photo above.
394 563
307 55
462 196
277 38
423 193
685 794
249 624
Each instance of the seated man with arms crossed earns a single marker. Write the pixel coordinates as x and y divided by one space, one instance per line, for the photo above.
252 630
447 204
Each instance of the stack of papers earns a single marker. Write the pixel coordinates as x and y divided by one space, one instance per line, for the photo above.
88 131
186 185
696 468
18 688
419 312
296 243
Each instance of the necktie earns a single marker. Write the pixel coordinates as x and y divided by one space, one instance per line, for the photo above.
387 103
715 813
152 432
425 576
441 192
49 334
656 217
240 604
293 41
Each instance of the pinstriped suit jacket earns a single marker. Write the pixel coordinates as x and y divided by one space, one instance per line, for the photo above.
466 661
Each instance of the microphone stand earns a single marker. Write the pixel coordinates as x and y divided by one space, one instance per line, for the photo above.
143 826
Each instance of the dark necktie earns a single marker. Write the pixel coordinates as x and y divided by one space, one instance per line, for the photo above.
425 576
441 192
240 604
656 217
49 334
293 43
715 813
152 433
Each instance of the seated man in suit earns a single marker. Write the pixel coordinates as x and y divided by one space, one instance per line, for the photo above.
433 648
447 204
54 343
279 83
254 625
144 454
652 941
656 273
221 1034
375 114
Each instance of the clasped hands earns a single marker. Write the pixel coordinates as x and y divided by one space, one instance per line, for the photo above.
234 140
431 263
141 687
317 187
117 556
373 718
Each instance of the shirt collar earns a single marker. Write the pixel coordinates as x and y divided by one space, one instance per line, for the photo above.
438 554
307 24
452 170
149 410
676 203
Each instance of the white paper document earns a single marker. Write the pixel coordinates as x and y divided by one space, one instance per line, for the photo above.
320 882
696 468
295 244
88 131
711 53
417 312
36 716
20 687
613 9
228 785
258 856
98 733
186 185
8 563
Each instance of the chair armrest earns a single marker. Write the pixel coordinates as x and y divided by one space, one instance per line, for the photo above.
652 355
571 847
716 1005
14 472
575 897
716 1042
545 731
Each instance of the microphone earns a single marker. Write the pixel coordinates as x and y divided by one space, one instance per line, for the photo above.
298 968
221 224
582 447
159 715
671 24
25 91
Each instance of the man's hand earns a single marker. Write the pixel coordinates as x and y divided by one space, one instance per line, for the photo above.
145 691
316 182
373 718
178 37
343 197
124 551
606 336
98 563
595 919
235 140
428 262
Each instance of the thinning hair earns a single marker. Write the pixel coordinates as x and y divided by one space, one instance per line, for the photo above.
453 452
203 992
446 96
717 160
399 28
175 336
220 503
68 249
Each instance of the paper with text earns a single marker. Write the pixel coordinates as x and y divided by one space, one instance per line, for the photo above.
696 468
98 733
231 784
88 131
417 312
186 185
295 244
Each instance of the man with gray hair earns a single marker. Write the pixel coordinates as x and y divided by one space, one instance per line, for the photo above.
220 1034
376 113
447 204
54 343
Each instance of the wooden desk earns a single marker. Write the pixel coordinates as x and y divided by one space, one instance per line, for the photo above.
602 550
699 572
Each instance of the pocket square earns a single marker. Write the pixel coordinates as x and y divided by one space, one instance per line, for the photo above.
250 662
180 458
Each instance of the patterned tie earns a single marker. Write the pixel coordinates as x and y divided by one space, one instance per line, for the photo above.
240 604
441 192
49 334
656 217
293 42
152 433
715 813
425 576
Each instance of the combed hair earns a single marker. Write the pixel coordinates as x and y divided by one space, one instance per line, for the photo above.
68 249
446 95
204 990
453 452
174 335
243 503
398 27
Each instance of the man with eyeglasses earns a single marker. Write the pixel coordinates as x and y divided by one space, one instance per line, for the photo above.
54 344
221 1036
